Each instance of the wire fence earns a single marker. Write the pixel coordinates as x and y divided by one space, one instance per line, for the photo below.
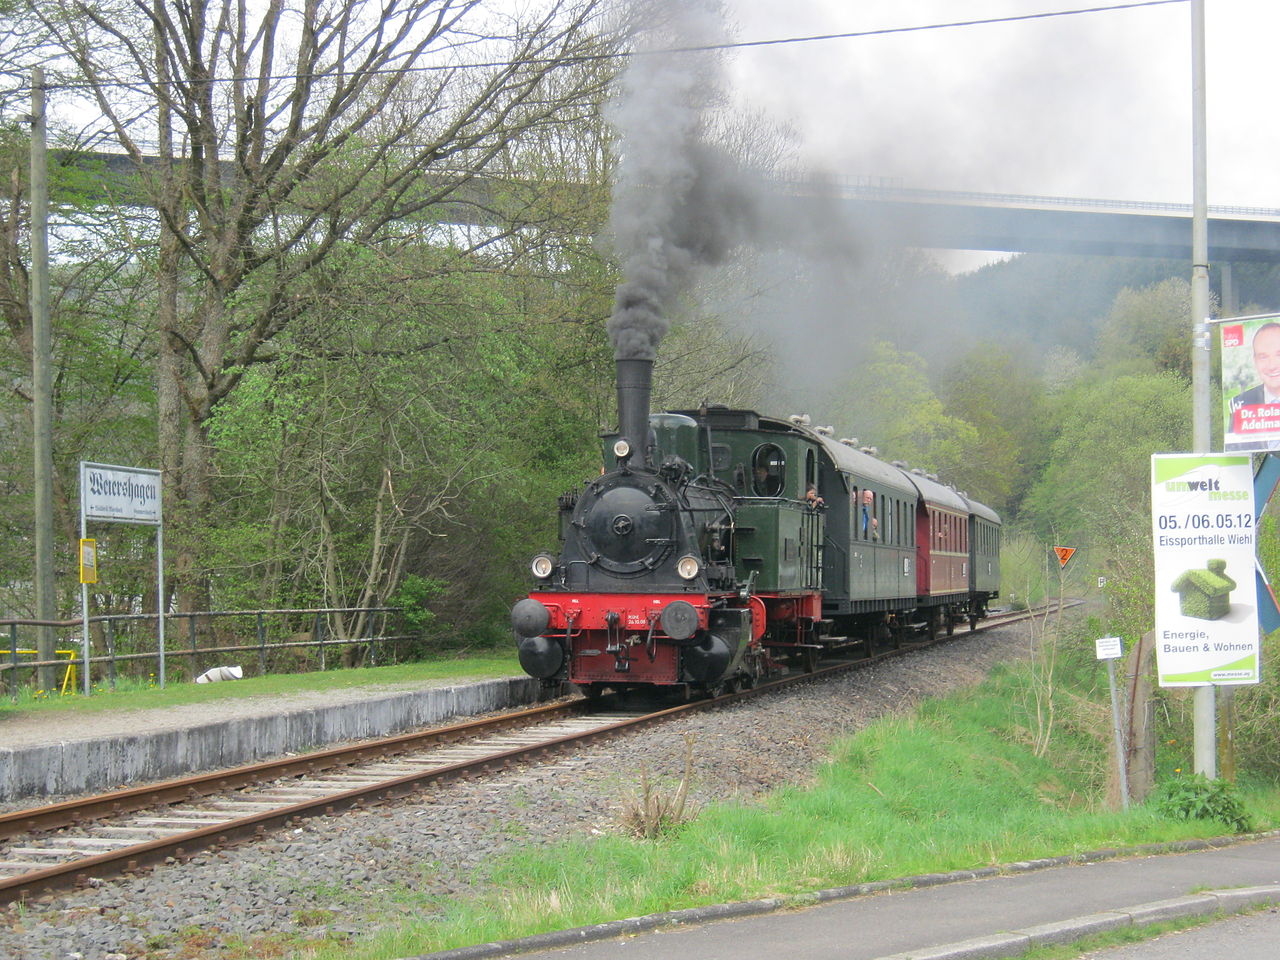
127 645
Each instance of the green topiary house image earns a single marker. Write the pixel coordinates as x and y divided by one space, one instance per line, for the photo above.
1205 594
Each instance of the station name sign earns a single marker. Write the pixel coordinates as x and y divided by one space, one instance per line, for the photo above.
127 494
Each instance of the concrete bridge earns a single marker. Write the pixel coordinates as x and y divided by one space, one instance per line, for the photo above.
948 220
1032 224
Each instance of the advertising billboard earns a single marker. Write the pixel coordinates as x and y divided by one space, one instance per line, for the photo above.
1205 595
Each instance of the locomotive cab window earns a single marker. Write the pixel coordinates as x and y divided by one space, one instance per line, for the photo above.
768 470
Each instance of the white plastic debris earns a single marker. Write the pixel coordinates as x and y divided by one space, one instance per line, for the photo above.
220 673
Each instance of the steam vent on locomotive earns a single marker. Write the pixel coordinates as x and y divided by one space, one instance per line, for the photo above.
696 558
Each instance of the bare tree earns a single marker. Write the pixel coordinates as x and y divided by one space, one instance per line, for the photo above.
269 136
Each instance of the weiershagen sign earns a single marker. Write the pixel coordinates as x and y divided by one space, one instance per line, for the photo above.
126 494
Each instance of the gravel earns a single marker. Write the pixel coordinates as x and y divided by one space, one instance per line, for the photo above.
314 879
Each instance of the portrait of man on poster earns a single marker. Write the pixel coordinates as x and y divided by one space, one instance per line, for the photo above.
1251 359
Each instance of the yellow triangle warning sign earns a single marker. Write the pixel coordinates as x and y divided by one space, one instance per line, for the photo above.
1064 554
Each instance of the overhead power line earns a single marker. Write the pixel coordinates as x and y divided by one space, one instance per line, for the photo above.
930 26
627 54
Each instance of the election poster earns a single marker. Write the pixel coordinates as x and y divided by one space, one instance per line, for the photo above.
1206 600
1250 382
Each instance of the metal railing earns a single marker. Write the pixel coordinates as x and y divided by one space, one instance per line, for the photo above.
266 633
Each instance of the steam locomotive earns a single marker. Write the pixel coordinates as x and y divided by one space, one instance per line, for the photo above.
724 544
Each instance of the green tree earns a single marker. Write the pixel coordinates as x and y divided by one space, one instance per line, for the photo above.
893 407
102 389
1149 329
1099 467
1006 402
287 134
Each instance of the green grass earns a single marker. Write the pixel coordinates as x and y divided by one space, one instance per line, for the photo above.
952 786
132 694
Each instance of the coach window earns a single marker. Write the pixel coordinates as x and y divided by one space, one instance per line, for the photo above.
810 471
768 470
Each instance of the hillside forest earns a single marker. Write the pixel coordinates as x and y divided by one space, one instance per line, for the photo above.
360 327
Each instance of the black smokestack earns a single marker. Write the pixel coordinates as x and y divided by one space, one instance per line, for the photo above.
635 381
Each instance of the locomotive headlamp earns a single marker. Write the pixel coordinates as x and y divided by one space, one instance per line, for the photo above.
542 566
621 449
688 566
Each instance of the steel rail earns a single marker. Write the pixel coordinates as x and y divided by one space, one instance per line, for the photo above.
80 811
133 857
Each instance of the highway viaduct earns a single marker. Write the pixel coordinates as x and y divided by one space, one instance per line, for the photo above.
971 221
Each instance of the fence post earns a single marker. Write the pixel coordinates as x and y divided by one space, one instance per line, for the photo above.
13 653
111 652
318 632
85 679
191 630
262 646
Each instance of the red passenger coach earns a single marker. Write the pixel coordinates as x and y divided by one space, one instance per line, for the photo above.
942 550
942 544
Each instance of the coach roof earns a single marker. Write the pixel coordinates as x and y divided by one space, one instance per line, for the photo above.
935 494
865 467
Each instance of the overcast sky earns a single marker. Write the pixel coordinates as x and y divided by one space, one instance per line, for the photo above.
1094 105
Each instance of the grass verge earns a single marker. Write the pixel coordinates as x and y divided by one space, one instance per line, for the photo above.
954 785
134 695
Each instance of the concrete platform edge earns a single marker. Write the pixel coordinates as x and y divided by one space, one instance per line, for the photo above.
88 765
1002 944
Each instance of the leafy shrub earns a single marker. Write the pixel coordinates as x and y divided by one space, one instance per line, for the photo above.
1198 798
413 596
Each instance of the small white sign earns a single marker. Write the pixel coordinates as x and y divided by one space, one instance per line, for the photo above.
1109 648
127 494
1102 582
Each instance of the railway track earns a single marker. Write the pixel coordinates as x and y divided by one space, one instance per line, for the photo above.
79 841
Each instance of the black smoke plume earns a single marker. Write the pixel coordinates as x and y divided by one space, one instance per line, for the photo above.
679 202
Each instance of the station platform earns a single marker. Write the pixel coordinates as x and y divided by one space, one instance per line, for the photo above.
46 754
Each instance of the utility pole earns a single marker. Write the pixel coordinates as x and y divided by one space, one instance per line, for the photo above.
42 382
1205 759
